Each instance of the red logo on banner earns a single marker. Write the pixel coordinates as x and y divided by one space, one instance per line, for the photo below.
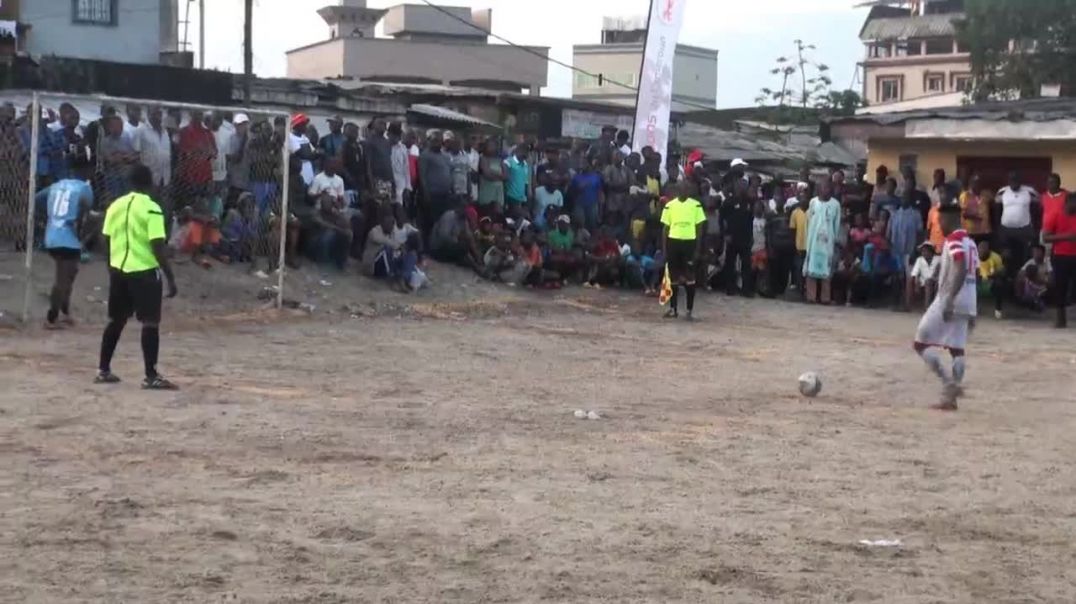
667 12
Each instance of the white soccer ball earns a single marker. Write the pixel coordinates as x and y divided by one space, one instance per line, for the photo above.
810 384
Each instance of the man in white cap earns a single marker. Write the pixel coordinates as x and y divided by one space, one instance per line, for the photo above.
238 164
739 167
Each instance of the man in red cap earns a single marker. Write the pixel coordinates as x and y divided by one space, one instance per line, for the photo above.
299 146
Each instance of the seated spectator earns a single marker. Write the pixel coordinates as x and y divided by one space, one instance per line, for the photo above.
604 262
328 185
385 255
240 231
503 263
485 236
530 253
331 239
991 281
547 196
1033 280
452 241
847 278
203 233
923 280
564 257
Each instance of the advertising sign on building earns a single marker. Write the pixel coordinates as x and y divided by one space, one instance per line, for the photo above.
576 123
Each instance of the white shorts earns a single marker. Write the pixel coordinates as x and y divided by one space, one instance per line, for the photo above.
934 330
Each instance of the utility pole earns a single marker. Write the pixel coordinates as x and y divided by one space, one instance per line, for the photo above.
248 48
201 34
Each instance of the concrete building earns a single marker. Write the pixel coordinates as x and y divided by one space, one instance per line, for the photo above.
619 57
423 45
1035 137
124 31
912 55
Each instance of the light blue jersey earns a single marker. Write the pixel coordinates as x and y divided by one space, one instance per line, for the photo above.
63 201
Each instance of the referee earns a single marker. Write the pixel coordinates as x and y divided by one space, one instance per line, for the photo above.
681 237
135 240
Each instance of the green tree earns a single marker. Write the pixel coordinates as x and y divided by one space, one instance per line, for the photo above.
814 80
1016 46
841 102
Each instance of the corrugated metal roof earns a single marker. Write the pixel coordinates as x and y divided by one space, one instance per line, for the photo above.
895 28
448 114
1031 110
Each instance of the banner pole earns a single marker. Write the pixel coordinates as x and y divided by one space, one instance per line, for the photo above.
639 80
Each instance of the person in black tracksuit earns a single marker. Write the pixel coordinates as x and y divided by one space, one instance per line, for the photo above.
781 249
736 218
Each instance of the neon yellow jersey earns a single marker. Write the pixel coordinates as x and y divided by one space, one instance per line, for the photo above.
682 218
131 224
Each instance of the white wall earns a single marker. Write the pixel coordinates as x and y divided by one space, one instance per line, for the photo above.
135 38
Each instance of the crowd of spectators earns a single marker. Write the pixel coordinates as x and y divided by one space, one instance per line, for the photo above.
537 214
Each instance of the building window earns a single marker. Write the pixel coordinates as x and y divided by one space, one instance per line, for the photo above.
585 80
939 46
934 82
880 51
889 89
97 12
961 82
913 48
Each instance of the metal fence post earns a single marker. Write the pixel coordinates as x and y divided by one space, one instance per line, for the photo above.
35 130
284 190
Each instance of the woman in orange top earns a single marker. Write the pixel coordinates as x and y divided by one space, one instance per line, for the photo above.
975 210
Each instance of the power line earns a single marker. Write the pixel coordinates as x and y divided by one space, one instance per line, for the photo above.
529 50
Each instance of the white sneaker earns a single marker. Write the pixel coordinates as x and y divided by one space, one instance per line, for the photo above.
998 315
261 274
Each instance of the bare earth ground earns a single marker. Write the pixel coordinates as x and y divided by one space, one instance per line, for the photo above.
425 451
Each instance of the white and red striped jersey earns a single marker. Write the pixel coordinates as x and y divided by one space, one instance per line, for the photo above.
959 249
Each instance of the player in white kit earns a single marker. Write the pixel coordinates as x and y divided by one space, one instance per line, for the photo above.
951 316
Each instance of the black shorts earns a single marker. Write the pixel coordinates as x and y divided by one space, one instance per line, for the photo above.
681 260
137 294
65 253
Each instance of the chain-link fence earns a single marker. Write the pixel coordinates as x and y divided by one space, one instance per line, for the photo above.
219 174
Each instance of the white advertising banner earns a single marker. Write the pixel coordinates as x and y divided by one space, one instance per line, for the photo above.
576 123
656 79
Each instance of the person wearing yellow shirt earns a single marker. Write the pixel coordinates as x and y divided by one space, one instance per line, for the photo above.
991 281
135 243
683 219
797 221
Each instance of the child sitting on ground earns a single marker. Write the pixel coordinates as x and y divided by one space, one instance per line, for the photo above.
1034 279
923 280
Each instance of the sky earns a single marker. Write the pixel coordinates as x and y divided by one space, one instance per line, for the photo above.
750 34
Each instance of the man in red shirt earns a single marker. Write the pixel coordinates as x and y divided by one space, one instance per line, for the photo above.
194 171
1060 230
1053 198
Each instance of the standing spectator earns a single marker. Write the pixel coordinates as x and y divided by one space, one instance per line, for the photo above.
471 147
435 182
781 244
47 146
1053 198
797 222
586 194
154 146
379 152
737 217
823 224
356 169
299 146
265 165
934 229
1017 232
492 174
74 153
975 210
194 171
133 121
936 186
622 145
992 277
759 255
223 137
239 157
1060 230
881 177
617 178
886 200
333 143
460 163
401 165
547 199
904 232
517 187
118 156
